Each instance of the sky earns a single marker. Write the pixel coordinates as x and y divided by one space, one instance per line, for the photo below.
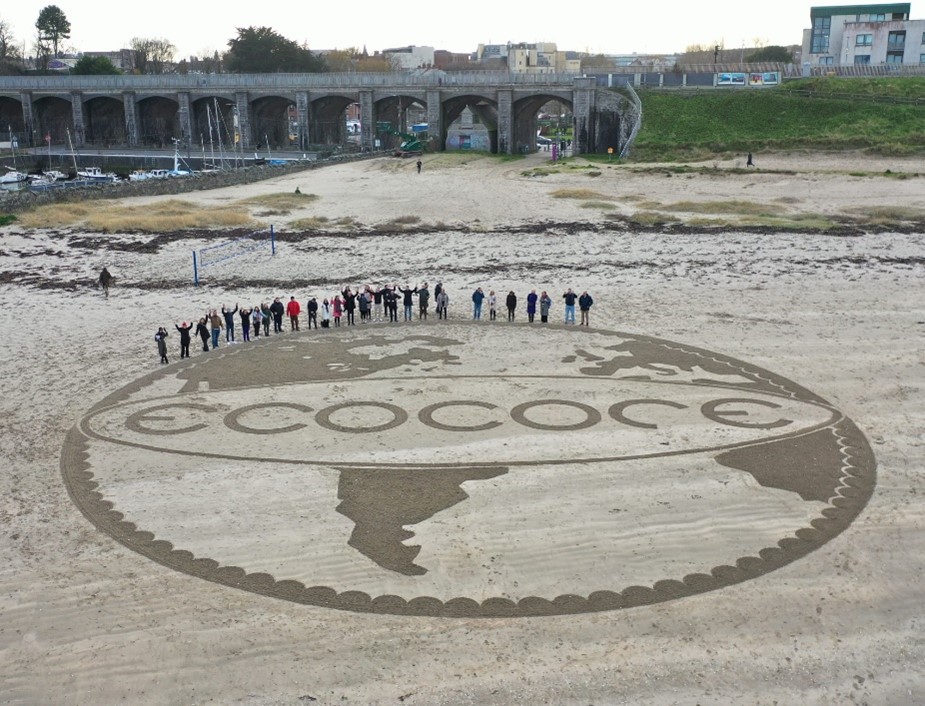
197 27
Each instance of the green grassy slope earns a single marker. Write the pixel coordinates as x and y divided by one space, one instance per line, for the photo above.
851 114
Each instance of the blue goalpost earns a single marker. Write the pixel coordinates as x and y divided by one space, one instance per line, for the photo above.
242 245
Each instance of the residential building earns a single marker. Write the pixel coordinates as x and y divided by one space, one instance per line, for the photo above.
410 57
541 58
849 35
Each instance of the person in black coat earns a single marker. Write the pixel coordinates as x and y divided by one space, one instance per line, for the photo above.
184 338
511 305
312 309
203 332
277 309
350 305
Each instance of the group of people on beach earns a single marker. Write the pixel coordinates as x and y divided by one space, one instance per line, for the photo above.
374 304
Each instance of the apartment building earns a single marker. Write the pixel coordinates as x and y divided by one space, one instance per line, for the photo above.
538 58
854 35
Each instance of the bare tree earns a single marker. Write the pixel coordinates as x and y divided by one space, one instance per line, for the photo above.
152 55
8 47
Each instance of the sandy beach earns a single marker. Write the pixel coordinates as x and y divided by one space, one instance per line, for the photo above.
710 495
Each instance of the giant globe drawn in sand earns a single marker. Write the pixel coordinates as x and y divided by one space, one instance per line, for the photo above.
468 470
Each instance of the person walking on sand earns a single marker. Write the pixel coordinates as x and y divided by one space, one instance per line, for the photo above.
161 338
419 165
750 162
492 305
106 279
584 304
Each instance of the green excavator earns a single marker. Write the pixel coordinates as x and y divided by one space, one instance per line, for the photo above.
410 145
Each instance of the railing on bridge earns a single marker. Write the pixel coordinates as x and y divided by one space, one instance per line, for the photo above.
201 82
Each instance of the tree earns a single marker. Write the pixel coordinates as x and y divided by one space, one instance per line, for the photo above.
8 46
53 26
262 50
94 66
152 55
771 54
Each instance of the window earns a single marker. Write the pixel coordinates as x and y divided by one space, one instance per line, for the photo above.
894 58
922 58
864 40
826 60
923 37
862 59
822 26
877 17
896 40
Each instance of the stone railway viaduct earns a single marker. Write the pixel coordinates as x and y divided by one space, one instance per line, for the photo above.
302 111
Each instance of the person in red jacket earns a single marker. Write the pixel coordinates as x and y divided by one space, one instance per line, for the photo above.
293 309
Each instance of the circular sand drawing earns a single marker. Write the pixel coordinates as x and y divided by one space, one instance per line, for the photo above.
468 469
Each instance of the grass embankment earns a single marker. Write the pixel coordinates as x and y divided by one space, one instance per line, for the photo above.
812 114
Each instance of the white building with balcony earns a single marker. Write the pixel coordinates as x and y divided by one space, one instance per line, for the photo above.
857 35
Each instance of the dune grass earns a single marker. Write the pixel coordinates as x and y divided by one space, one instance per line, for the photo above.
731 207
113 216
581 194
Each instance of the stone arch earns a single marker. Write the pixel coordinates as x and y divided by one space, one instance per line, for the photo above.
11 118
104 121
327 119
484 111
159 121
525 118
54 116
212 121
271 121
399 111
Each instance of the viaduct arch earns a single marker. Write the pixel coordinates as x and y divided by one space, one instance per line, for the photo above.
304 110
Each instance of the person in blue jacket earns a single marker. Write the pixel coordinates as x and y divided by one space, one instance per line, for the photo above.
477 297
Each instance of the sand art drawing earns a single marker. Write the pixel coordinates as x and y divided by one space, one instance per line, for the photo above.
423 475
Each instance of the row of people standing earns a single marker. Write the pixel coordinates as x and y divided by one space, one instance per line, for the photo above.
542 302
374 304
